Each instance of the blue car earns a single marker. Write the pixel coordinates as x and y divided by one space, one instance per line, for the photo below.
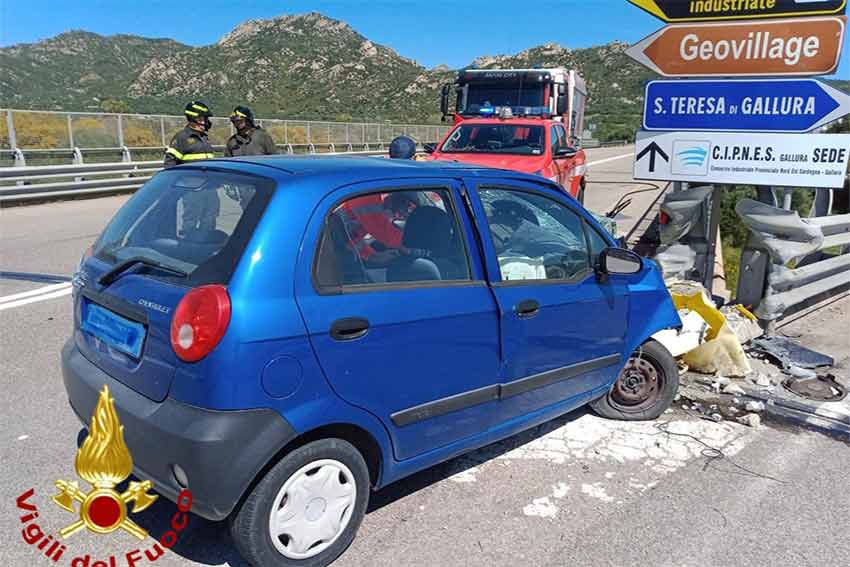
284 335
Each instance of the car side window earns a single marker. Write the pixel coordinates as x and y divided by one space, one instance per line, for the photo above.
392 237
597 244
562 136
554 140
535 237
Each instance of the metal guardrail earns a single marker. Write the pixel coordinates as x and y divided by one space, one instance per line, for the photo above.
798 270
30 183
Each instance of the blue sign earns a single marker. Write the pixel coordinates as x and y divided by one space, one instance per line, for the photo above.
765 105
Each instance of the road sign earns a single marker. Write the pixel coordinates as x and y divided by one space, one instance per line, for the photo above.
798 46
706 10
782 160
759 105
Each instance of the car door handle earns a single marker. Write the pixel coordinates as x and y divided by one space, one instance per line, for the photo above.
349 328
527 308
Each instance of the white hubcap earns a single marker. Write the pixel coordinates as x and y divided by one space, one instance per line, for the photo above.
312 509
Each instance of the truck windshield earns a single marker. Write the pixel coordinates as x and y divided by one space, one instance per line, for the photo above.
492 96
495 139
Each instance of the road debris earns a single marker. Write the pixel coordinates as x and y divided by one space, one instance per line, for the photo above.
754 406
751 419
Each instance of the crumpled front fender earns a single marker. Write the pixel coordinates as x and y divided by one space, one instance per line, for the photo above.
651 308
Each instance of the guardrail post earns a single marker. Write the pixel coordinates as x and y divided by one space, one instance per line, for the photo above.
20 161
286 133
309 134
77 160
125 154
120 131
162 130
289 149
311 148
332 148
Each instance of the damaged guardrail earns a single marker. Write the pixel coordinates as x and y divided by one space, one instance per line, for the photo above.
788 239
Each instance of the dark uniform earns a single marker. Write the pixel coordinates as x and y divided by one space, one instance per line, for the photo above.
255 142
188 145
200 208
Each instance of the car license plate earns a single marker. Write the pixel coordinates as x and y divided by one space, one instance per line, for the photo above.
116 331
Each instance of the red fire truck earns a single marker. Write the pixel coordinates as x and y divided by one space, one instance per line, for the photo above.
528 120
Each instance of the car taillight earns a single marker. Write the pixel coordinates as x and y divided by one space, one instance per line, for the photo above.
663 218
199 322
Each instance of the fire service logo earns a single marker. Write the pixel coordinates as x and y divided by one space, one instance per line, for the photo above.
104 462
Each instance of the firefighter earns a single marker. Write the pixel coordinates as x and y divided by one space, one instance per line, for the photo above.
200 208
249 139
191 143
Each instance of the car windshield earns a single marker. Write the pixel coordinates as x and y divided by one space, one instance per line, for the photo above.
495 139
192 223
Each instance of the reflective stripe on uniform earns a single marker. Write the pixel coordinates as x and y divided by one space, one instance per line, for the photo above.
189 157
174 152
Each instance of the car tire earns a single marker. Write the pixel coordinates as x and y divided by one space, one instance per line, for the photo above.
644 388
317 497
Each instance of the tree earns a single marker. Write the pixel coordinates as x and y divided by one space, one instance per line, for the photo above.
113 105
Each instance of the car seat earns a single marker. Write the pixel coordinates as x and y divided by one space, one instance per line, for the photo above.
431 230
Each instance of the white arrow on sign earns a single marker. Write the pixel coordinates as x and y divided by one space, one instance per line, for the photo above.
787 160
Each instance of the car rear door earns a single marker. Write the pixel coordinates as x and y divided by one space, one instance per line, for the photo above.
409 334
562 331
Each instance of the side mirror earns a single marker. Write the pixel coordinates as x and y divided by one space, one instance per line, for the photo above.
619 261
444 99
429 148
561 107
566 152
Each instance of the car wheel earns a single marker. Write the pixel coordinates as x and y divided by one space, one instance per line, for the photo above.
645 387
307 508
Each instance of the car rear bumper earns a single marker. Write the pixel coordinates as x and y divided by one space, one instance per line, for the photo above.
221 452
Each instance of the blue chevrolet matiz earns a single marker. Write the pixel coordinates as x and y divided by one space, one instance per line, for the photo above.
284 335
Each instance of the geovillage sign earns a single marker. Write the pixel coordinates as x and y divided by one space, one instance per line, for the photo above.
709 10
756 105
791 47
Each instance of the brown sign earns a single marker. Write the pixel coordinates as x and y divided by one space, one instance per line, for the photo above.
800 46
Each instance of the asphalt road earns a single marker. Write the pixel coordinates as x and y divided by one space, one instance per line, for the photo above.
577 491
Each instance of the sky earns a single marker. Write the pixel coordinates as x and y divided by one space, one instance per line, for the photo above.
431 32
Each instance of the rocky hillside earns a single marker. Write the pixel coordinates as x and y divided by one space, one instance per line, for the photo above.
305 66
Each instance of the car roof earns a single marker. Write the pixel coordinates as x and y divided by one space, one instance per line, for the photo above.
336 171
514 121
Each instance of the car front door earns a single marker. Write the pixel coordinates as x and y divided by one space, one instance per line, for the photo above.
562 331
403 326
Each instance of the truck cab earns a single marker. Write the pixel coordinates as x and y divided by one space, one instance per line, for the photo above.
527 120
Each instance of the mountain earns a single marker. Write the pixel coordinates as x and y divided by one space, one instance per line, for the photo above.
304 66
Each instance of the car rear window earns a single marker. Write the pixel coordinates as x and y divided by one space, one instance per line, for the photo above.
196 221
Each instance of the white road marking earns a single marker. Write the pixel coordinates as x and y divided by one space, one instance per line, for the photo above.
606 160
39 291
43 294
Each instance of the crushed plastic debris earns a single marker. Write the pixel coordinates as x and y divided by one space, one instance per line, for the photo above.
751 419
754 406
763 380
789 353
734 390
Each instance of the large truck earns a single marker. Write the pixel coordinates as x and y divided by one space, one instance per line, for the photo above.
528 120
